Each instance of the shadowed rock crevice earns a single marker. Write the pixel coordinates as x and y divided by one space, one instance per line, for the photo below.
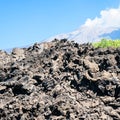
18 89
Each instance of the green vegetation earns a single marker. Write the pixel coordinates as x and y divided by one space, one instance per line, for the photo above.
104 43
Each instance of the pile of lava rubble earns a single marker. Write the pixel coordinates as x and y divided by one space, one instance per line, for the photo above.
60 80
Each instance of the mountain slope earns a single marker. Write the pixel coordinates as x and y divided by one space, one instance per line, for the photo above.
90 34
105 26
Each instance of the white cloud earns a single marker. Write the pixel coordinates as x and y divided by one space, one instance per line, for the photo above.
109 18
93 29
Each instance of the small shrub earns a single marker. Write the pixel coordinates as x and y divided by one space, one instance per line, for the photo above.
104 43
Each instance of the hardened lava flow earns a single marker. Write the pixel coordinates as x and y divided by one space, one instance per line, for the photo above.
60 80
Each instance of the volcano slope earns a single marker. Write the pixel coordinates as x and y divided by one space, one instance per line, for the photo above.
60 80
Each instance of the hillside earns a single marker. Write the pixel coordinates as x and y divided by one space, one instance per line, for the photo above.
60 80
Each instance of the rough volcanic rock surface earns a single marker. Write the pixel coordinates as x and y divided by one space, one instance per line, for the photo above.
60 80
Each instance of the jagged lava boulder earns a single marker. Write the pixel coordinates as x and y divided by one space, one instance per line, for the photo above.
60 80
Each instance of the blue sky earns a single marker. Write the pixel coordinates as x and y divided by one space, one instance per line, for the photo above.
24 22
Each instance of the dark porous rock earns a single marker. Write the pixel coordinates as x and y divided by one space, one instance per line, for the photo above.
60 80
